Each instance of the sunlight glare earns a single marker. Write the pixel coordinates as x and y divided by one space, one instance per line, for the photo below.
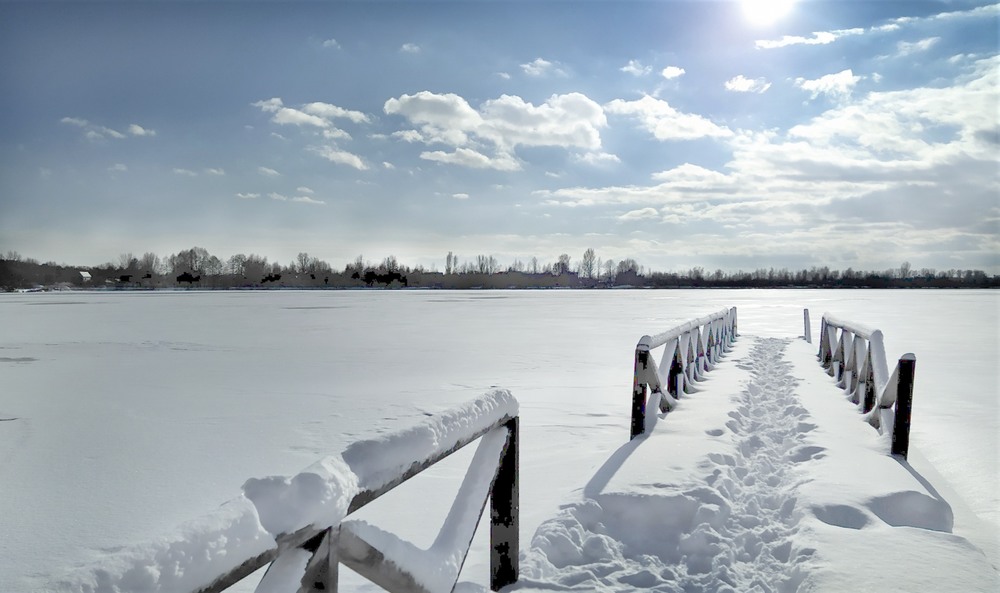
765 12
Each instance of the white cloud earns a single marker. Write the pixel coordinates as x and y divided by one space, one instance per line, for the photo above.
315 114
95 132
331 43
598 158
289 116
304 190
472 159
665 122
927 152
268 172
693 176
308 200
185 172
876 77
460 196
408 136
247 196
214 171
818 38
270 105
278 197
117 168
839 85
742 84
905 48
571 120
336 134
504 75
568 121
111 132
328 111
137 130
640 214
635 68
542 67
388 165
671 72
340 157
410 48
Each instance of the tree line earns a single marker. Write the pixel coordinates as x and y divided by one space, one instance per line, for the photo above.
196 267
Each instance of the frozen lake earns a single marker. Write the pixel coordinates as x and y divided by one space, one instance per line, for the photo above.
126 414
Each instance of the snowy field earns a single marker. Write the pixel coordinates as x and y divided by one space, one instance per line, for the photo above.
125 415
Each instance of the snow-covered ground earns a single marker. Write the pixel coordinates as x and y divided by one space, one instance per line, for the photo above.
126 415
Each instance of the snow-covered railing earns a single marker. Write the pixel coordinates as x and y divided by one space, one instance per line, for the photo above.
854 355
307 512
689 351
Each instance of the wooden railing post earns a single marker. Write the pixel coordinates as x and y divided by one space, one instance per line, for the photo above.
639 391
904 405
808 327
322 570
504 511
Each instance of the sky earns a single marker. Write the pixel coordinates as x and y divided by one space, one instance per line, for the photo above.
732 135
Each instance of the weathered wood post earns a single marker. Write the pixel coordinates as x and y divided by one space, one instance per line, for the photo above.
639 389
675 374
868 370
504 511
904 405
323 568
808 327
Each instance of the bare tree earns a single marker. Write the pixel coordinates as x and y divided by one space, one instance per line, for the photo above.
609 270
150 262
587 263
561 266
126 261
237 264
534 265
302 262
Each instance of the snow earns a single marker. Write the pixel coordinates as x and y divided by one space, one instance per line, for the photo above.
131 414
765 480
191 558
321 494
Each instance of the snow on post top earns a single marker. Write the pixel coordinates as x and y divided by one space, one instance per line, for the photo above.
378 461
322 493
650 342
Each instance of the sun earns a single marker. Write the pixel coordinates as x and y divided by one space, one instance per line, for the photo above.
765 12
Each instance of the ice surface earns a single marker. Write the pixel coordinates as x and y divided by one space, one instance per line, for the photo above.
139 412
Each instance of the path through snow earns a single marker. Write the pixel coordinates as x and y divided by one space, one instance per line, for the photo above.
733 530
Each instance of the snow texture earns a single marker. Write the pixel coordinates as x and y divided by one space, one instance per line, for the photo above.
321 494
190 559
796 489
127 414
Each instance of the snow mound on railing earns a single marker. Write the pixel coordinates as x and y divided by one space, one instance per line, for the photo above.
190 559
321 494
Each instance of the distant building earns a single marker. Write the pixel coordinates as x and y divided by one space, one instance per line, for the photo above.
84 276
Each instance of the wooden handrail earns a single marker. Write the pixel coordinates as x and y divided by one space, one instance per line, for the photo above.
340 542
854 355
690 350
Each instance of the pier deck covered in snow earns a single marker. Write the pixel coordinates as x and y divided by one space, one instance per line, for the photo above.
765 479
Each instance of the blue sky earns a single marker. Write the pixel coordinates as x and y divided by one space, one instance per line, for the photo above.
848 134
